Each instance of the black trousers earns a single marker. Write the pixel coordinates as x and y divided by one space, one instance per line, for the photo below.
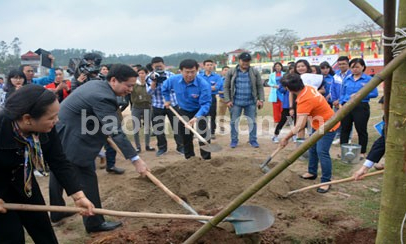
158 123
12 223
89 184
187 135
212 113
377 150
282 122
359 116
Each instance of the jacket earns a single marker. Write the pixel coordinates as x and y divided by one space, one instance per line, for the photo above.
12 160
256 82
86 118
274 95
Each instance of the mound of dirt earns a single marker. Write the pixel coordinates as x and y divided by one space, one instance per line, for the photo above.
208 186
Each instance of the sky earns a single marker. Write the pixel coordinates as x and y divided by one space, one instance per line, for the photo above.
159 27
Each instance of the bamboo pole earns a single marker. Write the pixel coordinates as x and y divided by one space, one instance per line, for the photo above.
333 182
389 13
261 182
374 14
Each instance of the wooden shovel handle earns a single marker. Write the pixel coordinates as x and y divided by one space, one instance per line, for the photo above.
334 182
46 208
157 182
188 126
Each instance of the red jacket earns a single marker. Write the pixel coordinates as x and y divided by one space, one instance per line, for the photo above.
66 92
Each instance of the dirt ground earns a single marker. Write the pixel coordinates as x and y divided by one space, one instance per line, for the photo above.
208 186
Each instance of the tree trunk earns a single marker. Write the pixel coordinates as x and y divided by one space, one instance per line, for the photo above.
393 198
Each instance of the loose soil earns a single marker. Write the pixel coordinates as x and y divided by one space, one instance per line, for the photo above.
208 186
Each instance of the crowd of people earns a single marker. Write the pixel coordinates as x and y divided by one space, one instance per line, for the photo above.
61 125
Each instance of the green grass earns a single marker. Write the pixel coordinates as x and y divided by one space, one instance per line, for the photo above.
366 208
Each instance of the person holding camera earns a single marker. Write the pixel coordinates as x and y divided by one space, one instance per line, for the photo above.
154 87
28 71
87 69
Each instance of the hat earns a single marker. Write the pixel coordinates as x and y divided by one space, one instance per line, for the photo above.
245 56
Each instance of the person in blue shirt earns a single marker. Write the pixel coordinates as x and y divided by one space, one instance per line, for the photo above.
216 83
193 94
29 74
276 96
328 76
352 84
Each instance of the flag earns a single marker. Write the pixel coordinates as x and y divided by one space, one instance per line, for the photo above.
233 59
281 54
302 52
373 46
295 53
362 46
318 51
309 52
258 57
347 47
375 55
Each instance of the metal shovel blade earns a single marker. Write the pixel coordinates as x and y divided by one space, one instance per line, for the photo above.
211 147
250 219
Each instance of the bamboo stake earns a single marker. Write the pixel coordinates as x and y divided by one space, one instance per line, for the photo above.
389 10
334 182
374 14
261 182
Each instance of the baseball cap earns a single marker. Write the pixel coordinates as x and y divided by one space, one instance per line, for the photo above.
245 56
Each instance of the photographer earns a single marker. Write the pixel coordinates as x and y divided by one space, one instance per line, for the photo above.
88 69
154 88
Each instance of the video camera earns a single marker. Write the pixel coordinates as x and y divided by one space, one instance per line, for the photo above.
158 75
87 68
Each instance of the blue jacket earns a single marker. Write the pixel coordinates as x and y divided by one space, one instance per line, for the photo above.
350 86
328 81
214 80
335 89
274 95
191 97
46 79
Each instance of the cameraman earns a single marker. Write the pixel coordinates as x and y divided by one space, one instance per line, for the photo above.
88 69
154 88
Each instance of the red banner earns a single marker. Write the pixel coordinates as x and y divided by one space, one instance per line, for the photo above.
362 46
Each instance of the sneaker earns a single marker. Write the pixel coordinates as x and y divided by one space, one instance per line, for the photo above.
254 144
150 149
180 150
233 144
275 139
138 150
336 141
160 152
115 170
349 141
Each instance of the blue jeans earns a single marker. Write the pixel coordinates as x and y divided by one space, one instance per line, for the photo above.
251 112
321 152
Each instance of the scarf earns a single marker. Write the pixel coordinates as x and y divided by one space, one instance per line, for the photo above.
33 158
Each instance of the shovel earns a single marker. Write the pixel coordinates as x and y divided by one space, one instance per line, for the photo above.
245 219
334 182
207 146
264 166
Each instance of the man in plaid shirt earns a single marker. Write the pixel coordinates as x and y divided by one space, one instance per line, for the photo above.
154 88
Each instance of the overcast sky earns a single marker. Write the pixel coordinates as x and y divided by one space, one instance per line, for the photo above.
159 27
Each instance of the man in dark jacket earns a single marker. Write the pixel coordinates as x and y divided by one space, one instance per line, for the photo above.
87 117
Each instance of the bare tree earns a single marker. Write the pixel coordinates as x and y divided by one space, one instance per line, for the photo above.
266 43
286 38
15 45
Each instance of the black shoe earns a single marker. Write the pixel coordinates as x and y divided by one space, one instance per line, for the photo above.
105 226
57 218
313 177
115 170
321 190
160 152
180 150
148 148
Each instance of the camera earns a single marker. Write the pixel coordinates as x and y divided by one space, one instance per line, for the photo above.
158 75
87 68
